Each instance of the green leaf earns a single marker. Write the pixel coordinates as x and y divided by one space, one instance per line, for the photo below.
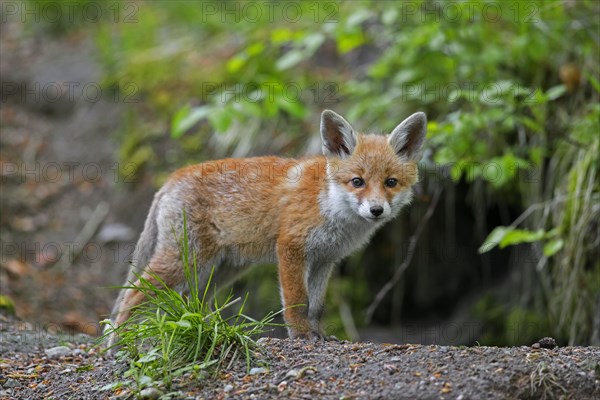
294 107
313 41
350 41
553 247
184 323
186 117
221 120
593 81
255 49
236 63
281 35
148 358
517 236
555 92
494 238
290 59
503 236
358 17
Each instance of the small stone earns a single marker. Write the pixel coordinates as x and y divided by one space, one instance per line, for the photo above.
150 394
11 383
282 386
262 340
395 359
535 346
258 370
57 352
228 388
292 373
547 343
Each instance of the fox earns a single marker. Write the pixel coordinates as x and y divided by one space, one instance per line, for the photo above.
304 214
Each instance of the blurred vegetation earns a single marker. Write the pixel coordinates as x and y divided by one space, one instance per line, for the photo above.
511 89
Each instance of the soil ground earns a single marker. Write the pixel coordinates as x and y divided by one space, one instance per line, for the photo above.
299 369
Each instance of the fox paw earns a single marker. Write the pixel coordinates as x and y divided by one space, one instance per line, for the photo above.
314 336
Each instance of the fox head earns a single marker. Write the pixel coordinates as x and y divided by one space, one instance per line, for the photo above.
371 175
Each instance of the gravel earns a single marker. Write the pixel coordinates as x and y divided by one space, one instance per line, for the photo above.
301 369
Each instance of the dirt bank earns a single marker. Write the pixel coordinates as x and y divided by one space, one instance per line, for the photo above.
32 365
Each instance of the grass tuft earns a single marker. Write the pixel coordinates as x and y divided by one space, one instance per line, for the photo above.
172 334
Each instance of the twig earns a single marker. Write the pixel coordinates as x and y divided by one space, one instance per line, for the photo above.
86 234
538 206
409 255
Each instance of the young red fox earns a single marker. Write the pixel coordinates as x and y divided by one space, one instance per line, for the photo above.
304 214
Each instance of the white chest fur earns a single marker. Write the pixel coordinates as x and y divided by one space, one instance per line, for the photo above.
343 230
336 239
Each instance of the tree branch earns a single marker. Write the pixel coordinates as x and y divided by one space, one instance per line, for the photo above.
409 256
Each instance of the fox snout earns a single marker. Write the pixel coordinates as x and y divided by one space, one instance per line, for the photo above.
374 209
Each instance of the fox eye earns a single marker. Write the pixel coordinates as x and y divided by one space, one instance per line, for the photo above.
358 182
391 182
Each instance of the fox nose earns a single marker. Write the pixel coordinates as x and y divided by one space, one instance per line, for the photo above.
376 210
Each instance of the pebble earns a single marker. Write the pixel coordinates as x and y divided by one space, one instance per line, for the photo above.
57 352
79 352
228 388
11 383
262 340
150 394
258 370
292 373
547 343
282 386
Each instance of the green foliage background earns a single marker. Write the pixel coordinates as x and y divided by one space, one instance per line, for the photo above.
511 89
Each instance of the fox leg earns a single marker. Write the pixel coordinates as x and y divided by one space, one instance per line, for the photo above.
293 292
316 282
165 265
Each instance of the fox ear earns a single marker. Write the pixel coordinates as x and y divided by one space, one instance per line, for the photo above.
338 136
407 138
